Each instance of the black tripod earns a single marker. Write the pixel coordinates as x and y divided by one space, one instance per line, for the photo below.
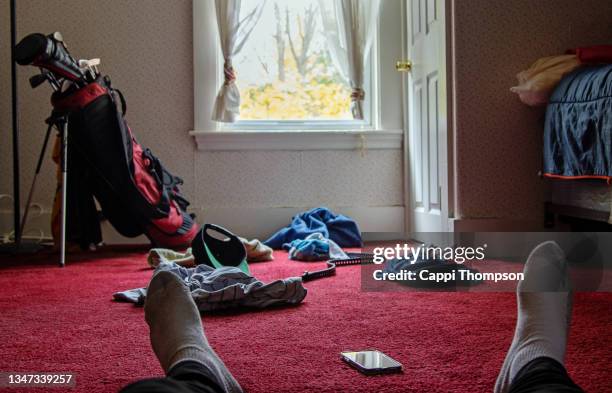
59 121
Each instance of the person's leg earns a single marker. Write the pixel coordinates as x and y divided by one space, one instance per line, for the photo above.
534 362
185 377
543 375
178 340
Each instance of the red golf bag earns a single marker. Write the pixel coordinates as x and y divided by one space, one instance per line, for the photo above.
136 194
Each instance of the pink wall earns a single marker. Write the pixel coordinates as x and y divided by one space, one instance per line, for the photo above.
499 140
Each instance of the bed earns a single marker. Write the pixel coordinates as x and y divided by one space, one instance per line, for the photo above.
578 144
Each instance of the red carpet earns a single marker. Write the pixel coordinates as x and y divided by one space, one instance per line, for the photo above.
54 319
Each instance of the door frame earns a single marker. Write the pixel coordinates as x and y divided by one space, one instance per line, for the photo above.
448 194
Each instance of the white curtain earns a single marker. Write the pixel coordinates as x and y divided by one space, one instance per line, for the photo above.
349 27
233 33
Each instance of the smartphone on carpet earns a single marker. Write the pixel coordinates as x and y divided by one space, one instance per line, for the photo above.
372 362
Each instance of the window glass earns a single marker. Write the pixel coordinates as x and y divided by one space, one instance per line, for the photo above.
285 72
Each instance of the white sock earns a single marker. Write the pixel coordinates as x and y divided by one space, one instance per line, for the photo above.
544 300
176 329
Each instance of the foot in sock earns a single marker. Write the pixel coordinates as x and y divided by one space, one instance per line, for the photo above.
176 328
544 300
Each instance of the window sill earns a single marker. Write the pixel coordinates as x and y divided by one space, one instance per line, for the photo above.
298 140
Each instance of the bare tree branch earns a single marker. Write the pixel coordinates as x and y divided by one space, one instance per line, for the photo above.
264 65
280 44
306 29
289 38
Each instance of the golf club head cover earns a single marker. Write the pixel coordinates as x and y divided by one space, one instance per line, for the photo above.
46 52
219 251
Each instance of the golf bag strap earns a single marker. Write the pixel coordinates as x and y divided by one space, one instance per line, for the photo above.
112 90
172 184
156 170
122 99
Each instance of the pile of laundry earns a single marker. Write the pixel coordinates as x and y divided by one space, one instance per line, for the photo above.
216 268
226 288
317 235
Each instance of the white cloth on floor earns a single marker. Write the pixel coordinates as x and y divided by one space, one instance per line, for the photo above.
257 251
159 255
226 288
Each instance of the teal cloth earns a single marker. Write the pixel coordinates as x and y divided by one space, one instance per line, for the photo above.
314 248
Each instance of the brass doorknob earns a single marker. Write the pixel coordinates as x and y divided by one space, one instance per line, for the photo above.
403 66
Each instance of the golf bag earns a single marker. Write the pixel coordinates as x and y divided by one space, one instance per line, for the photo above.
137 195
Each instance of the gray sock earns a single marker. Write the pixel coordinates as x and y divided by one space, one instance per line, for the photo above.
544 300
176 329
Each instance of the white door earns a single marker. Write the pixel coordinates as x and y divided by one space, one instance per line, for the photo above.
426 116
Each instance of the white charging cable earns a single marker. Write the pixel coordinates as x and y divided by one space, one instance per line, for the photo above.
35 234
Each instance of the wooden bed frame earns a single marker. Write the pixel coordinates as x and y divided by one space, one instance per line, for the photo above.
555 213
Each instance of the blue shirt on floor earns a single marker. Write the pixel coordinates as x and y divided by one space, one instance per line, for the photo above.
341 229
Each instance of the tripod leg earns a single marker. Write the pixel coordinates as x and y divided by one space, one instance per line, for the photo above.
33 186
64 168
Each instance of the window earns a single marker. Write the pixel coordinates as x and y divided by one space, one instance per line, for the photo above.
382 127
286 76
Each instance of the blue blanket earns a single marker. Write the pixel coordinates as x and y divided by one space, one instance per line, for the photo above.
339 228
578 127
